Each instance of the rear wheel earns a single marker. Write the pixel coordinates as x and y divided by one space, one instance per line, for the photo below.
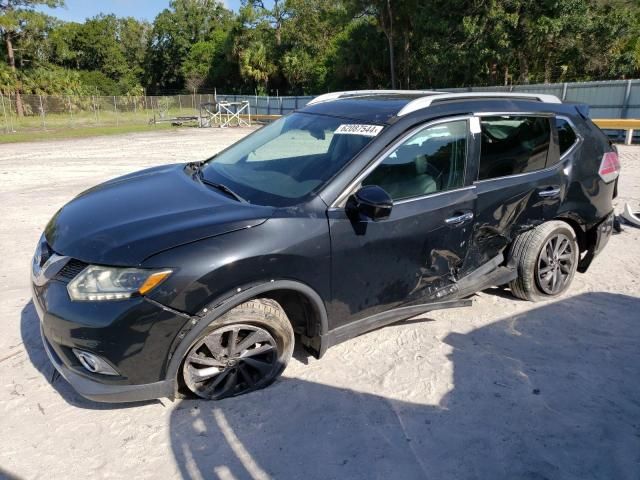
547 259
244 350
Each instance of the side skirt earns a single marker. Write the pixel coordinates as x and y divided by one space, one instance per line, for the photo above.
364 325
487 275
491 273
499 276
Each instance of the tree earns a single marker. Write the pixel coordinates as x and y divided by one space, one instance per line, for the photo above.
133 36
383 12
256 65
309 46
15 16
62 44
275 16
307 36
355 58
198 64
175 30
110 46
254 47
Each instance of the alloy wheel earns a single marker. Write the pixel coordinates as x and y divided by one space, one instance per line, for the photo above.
555 264
230 361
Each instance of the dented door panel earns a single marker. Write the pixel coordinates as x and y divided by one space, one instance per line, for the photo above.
509 206
404 259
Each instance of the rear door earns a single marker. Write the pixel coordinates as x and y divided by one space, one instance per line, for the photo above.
418 250
519 180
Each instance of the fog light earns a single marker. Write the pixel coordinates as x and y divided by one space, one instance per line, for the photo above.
93 363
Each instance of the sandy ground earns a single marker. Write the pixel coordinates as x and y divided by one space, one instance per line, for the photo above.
505 389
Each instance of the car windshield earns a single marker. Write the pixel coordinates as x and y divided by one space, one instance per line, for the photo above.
285 161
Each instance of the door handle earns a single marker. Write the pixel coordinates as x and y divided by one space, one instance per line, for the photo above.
458 219
549 192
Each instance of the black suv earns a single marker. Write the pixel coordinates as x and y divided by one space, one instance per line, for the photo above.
361 209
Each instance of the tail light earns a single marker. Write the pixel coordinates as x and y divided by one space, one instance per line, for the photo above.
609 167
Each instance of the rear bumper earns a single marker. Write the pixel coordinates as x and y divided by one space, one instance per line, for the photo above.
597 239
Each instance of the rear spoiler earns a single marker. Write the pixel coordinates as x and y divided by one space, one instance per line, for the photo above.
583 109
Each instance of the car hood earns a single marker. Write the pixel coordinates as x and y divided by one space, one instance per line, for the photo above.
126 220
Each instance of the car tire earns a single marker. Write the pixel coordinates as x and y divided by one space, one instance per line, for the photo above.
546 259
244 350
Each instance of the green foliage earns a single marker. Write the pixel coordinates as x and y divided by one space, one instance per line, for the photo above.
311 46
98 83
199 59
175 31
350 61
8 80
53 80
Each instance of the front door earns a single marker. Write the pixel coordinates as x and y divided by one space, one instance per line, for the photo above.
419 250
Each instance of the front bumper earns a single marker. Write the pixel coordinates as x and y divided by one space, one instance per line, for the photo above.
134 336
101 392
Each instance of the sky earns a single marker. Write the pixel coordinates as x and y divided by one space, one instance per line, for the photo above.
79 10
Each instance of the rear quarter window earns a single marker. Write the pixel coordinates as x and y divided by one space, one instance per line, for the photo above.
513 145
567 136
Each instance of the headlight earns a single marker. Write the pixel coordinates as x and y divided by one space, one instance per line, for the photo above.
97 283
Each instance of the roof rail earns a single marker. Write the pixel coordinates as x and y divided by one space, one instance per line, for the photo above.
424 102
328 97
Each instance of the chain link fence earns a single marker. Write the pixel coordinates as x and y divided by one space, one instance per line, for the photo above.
59 112
613 99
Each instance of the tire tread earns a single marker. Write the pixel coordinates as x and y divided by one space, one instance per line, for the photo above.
266 313
524 252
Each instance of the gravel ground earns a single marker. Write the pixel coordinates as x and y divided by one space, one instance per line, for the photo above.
505 389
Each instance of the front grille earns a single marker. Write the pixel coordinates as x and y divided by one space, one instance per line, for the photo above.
71 270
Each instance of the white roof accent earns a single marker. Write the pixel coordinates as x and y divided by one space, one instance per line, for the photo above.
328 97
424 102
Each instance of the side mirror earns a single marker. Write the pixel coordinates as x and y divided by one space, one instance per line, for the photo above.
369 203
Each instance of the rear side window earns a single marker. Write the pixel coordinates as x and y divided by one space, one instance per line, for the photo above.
513 145
566 135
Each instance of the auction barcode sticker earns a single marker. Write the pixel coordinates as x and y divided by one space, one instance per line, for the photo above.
365 130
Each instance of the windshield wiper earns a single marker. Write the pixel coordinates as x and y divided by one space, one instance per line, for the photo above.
222 187
196 169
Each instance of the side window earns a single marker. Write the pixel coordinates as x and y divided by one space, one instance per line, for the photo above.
566 135
432 160
513 144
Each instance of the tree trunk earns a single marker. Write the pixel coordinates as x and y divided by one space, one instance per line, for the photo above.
547 72
407 67
523 62
12 64
522 39
278 35
547 66
278 18
389 32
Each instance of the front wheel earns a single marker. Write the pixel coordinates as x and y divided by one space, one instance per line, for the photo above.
244 350
547 259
